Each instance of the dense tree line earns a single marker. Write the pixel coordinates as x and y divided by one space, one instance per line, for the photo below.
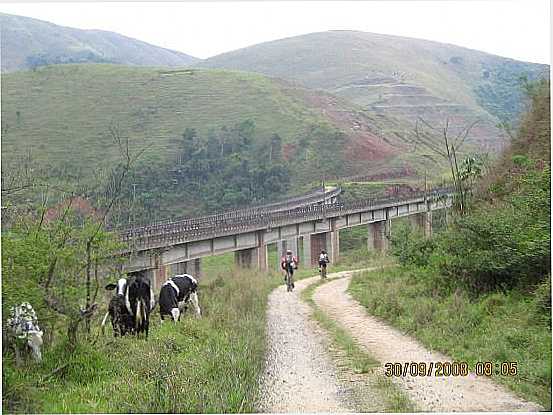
229 167
503 242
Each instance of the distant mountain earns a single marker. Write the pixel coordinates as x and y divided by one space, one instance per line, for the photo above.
28 43
63 115
397 75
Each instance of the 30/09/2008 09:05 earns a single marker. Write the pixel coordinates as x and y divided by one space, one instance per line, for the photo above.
399 369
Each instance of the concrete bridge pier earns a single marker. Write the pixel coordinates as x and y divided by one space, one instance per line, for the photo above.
307 260
252 258
281 248
423 222
379 234
158 273
329 241
244 258
332 246
193 267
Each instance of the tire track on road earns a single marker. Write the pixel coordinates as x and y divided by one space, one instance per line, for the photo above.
444 394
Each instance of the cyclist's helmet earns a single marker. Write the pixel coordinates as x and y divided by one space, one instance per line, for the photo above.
323 252
288 251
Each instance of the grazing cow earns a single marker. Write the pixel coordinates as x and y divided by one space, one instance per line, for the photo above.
121 318
131 305
23 331
175 295
140 300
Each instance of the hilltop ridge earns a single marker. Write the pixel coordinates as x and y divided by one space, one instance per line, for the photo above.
393 73
28 43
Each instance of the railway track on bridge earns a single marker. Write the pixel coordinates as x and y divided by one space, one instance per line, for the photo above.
244 220
209 221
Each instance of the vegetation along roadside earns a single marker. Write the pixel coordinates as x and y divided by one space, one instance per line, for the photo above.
480 289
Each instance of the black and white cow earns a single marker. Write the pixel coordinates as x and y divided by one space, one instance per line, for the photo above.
131 305
121 318
23 331
175 295
140 301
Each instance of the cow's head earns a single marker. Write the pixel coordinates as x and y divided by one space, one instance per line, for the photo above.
34 341
121 286
175 313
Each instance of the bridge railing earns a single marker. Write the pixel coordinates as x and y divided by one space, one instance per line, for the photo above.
215 219
186 231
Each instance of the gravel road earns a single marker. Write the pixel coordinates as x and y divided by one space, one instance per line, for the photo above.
443 394
299 374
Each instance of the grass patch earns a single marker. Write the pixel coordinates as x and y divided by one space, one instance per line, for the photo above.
497 327
358 361
196 366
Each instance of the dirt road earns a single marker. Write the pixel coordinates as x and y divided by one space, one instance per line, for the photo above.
443 394
299 374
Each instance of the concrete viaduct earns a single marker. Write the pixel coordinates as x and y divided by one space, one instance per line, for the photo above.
313 222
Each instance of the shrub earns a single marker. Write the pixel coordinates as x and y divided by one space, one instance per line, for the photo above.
410 247
502 246
542 301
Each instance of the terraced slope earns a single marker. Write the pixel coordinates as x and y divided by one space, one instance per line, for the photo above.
397 76
28 43
63 112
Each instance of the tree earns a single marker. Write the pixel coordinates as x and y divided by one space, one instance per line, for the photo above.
76 250
449 150
275 149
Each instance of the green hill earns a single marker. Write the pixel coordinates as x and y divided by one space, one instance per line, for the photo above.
395 75
28 43
62 115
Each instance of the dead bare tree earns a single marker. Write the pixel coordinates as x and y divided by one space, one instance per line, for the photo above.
128 161
430 137
62 234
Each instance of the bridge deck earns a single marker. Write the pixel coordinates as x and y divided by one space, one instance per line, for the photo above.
249 220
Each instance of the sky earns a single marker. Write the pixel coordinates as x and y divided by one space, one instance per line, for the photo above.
518 29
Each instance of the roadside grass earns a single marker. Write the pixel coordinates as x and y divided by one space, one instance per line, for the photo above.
359 361
202 365
498 327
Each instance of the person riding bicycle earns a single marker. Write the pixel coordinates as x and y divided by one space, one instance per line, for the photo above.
289 263
323 260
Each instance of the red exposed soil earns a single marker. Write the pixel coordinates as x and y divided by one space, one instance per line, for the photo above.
364 143
79 205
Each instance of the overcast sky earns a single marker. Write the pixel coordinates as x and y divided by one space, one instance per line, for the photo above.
518 29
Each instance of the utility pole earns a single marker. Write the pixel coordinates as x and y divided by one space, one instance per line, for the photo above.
133 218
428 214
133 202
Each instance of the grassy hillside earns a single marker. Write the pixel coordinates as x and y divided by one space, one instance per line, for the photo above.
401 77
28 43
64 115
372 68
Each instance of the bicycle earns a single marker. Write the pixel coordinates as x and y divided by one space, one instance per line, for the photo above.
289 278
322 270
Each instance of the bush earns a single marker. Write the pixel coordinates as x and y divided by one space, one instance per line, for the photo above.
502 246
411 247
542 301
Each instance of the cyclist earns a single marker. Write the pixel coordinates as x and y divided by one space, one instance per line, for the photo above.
289 263
323 261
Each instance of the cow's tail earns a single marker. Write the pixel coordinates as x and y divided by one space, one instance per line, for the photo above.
104 321
138 316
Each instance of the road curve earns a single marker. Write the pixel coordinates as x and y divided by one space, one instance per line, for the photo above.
386 344
299 375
